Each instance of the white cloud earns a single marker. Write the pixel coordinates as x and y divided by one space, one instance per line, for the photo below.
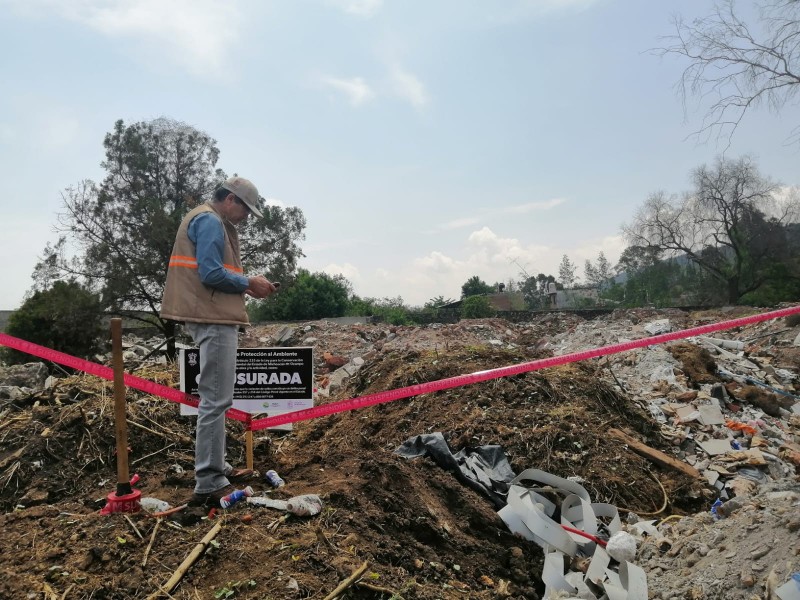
462 222
533 206
356 89
484 253
274 202
436 262
459 223
350 272
359 8
194 34
515 10
408 87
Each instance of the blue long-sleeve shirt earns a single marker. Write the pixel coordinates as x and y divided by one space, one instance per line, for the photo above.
207 234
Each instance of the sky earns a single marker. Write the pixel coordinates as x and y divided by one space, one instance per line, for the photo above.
425 141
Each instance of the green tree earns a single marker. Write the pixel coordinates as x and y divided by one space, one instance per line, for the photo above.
308 296
476 307
599 273
475 286
123 229
438 301
731 225
590 274
566 272
603 267
389 310
66 317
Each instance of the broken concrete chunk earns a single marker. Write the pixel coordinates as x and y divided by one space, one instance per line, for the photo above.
716 447
30 375
710 415
658 327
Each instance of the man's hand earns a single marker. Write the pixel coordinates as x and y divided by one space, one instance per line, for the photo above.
259 287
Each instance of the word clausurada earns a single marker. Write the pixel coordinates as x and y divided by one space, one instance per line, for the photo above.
268 378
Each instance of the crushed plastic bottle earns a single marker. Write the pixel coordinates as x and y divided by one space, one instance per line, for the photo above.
274 479
306 505
235 496
714 509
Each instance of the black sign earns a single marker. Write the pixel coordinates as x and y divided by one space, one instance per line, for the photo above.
261 373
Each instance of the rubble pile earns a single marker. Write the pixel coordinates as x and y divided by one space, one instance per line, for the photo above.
696 443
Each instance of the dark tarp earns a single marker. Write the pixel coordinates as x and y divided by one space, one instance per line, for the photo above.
484 469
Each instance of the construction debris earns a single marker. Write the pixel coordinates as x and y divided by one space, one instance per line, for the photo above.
709 423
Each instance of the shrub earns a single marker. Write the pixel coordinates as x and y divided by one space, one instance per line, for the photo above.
476 307
66 317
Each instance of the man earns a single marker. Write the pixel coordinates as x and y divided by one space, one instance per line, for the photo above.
205 290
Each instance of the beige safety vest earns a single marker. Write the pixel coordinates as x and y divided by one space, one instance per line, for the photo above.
186 298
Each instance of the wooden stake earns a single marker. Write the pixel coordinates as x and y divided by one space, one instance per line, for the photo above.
187 563
120 422
348 582
656 456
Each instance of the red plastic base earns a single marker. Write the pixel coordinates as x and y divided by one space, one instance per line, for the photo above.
129 503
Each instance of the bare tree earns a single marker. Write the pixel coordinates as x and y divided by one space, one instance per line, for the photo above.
736 65
732 224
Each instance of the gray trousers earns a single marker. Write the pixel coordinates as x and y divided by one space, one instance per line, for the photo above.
217 377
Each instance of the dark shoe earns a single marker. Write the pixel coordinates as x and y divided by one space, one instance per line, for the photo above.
241 475
210 500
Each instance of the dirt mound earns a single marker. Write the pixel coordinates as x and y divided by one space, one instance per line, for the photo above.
422 533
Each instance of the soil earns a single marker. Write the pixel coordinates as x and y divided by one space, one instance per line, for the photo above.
423 534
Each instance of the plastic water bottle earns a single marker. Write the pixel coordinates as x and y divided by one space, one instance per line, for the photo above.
235 496
274 479
154 505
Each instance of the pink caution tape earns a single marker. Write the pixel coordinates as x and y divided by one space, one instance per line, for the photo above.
169 393
461 380
144 385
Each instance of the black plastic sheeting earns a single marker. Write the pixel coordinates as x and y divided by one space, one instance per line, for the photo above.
485 469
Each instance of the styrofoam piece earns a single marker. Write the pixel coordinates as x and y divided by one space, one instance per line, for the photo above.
622 547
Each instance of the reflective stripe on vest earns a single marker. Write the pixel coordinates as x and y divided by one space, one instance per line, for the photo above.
191 263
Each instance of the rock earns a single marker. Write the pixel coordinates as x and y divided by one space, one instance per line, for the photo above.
747 579
334 361
12 392
657 327
33 497
30 375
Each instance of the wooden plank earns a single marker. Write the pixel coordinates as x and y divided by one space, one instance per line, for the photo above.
654 455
